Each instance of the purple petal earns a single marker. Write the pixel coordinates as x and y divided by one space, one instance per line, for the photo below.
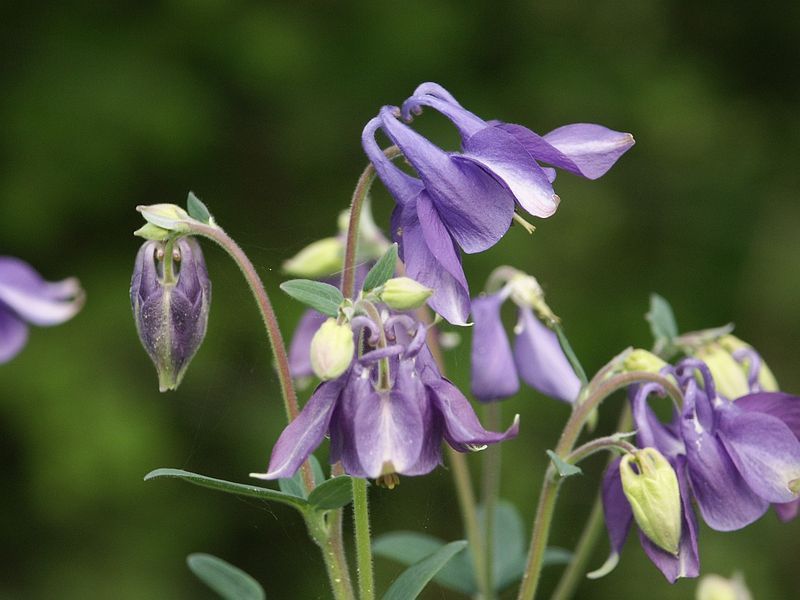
434 89
13 335
513 167
788 511
466 122
305 433
462 430
341 428
37 301
409 382
687 562
388 432
785 407
475 208
493 372
593 149
649 430
764 450
725 500
541 362
616 508
439 267
402 186
300 348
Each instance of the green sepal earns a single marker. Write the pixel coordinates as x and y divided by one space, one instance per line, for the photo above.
564 468
383 270
230 582
229 487
152 232
414 579
197 210
296 486
320 296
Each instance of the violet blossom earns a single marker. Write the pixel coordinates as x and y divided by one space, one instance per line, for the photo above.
378 431
26 298
466 200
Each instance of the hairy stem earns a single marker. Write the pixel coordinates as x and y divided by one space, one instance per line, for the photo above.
335 563
547 498
366 585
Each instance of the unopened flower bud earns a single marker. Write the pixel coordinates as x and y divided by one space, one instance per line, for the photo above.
319 259
766 379
170 296
403 293
643 360
714 587
167 216
651 486
332 349
730 376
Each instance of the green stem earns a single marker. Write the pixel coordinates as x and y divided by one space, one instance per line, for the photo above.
490 491
550 485
359 195
366 585
335 563
592 531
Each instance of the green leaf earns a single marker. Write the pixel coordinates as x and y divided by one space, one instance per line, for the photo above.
296 486
334 493
564 468
409 547
320 296
383 270
414 579
229 487
662 322
570 354
196 209
230 582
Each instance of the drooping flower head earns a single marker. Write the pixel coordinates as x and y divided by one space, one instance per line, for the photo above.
170 297
26 298
381 426
466 200
537 356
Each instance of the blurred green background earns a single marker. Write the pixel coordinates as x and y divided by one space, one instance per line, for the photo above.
258 108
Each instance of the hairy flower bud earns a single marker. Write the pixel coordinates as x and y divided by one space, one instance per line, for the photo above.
170 296
643 360
730 377
403 293
167 216
714 587
319 259
332 349
651 486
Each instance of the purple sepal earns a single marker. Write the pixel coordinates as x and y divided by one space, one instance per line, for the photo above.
493 373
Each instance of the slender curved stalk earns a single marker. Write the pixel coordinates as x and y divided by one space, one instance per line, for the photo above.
576 568
328 539
550 485
366 585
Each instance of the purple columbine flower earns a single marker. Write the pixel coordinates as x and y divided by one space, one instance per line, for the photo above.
377 431
537 356
26 298
171 308
466 200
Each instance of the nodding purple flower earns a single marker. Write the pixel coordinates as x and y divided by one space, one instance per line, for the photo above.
382 428
537 356
466 200
26 298
170 297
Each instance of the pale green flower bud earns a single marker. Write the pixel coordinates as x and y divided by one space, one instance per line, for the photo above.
332 349
730 376
643 360
651 486
714 587
765 377
403 293
152 232
167 216
319 259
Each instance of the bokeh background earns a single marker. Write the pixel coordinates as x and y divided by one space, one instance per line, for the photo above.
258 108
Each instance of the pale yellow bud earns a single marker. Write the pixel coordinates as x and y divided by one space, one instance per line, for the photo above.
651 486
765 377
332 349
403 293
642 360
319 259
167 216
730 377
714 587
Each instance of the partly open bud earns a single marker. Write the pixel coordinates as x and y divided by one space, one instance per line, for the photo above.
166 216
403 293
643 360
332 349
730 376
714 587
319 259
741 349
170 298
651 486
